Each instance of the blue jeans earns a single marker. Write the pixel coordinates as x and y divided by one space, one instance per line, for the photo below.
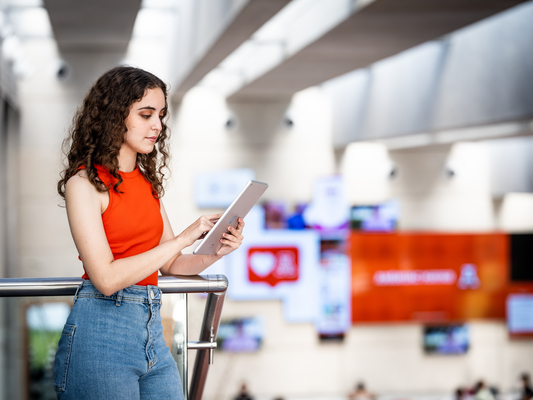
112 347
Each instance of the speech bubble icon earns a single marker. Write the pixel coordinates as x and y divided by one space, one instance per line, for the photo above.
262 263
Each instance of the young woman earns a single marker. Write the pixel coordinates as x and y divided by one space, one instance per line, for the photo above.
112 344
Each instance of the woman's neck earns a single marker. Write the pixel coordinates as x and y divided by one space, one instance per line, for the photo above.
127 161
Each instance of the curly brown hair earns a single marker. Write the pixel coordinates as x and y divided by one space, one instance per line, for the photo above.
99 128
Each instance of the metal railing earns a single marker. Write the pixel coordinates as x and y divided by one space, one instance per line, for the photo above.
214 285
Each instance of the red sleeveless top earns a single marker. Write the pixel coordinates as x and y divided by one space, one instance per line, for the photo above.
132 221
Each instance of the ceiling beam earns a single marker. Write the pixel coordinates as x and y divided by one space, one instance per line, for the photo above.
95 25
380 30
252 16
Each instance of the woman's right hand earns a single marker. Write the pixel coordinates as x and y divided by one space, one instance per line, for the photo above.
199 228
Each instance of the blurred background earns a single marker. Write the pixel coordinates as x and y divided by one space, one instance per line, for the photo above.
394 246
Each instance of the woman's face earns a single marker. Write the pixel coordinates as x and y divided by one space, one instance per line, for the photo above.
144 124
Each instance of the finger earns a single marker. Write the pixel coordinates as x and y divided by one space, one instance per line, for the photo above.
233 239
227 238
230 243
240 225
212 217
235 233
205 223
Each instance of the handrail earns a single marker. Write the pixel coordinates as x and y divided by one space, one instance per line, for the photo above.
17 287
214 285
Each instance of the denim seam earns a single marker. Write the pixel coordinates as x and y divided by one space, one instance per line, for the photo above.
68 352
150 353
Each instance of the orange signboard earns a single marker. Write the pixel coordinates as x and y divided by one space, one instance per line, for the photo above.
428 277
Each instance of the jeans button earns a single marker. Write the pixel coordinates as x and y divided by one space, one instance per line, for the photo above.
152 294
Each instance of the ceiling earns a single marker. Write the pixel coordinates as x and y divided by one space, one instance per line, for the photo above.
373 32
95 25
252 16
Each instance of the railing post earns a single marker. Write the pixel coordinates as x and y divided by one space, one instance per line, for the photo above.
208 332
180 339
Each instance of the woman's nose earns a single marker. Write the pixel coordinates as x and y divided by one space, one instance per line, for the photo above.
157 125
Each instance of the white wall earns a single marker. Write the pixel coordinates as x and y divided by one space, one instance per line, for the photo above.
432 199
511 166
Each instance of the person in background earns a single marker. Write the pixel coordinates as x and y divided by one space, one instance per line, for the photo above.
482 391
526 392
460 393
243 393
360 393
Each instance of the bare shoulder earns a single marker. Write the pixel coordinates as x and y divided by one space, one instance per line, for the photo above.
79 182
79 191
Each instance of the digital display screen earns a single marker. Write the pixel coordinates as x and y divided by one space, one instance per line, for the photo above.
519 309
446 339
376 218
240 335
432 278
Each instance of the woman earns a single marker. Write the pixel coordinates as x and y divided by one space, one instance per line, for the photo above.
112 344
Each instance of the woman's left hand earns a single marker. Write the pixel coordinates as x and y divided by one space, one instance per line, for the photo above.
231 240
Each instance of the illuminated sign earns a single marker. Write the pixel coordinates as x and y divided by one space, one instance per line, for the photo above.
415 278
273 265
520 314
469 278
428 277
278 264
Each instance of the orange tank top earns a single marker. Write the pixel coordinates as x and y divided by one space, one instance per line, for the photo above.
132 220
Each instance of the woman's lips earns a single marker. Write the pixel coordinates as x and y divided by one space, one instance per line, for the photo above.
152 138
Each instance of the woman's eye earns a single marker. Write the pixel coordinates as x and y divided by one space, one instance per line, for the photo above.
146 116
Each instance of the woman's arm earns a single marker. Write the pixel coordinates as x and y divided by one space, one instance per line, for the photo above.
84 211
190 264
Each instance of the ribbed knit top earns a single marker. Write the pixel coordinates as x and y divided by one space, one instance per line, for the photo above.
132 220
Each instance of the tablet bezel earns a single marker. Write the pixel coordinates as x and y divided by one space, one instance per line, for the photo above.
240 206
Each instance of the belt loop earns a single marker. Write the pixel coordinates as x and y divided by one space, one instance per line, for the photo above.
149 294
120 295
77 291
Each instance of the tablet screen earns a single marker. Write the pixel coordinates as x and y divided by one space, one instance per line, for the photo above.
242 204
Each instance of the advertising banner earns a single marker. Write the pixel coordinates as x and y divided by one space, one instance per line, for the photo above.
428 277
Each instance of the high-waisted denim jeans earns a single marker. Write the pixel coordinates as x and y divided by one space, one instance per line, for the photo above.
112 347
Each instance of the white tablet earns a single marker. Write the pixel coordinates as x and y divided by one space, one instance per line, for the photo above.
243 203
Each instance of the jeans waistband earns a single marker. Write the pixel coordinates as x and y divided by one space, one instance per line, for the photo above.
139 294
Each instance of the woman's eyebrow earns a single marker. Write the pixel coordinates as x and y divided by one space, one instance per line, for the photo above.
151 108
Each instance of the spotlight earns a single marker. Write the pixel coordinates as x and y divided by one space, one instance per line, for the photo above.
450 173
63 71
288 122
230 123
